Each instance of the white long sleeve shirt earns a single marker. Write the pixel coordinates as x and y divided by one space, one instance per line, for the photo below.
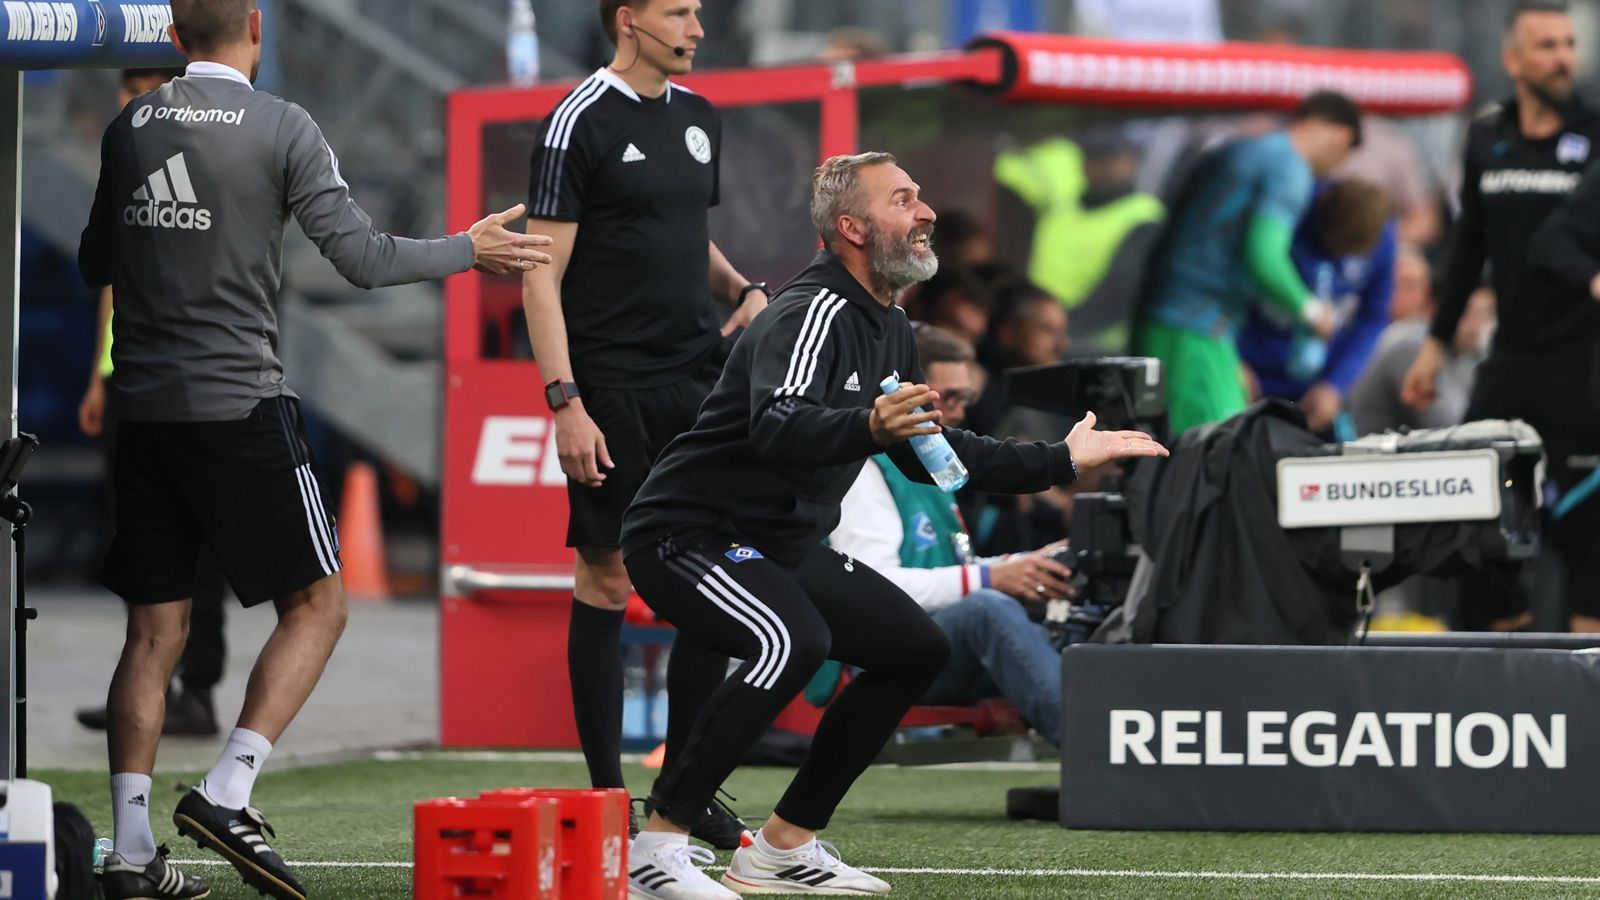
871 530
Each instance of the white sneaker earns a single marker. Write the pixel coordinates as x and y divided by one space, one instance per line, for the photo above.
668 872
813 869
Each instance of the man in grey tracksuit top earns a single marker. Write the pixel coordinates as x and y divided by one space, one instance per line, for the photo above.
197 181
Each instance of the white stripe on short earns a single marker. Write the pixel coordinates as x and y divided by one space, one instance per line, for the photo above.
316 519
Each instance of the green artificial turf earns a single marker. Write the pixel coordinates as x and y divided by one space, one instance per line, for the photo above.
900 818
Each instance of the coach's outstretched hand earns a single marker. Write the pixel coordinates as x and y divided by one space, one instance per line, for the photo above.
500 252
1092 448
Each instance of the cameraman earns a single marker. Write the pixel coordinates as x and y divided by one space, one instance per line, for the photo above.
912 535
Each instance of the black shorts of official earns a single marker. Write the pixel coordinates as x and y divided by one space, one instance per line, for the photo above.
637 425
246 487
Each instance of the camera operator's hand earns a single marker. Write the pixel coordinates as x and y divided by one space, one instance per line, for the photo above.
1032 578
895 416
1092 448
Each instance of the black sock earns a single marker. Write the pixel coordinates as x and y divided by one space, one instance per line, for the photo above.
594 663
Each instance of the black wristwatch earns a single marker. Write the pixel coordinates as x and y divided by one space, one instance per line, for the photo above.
745 291
560 393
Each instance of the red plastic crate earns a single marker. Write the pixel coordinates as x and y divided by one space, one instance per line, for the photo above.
487 848
593 839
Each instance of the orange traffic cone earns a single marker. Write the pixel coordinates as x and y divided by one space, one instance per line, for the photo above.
366 574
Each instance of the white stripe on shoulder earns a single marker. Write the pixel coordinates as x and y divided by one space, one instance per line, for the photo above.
558 138
822 338
800 340
569 108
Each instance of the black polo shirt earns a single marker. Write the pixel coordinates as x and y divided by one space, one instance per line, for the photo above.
638 175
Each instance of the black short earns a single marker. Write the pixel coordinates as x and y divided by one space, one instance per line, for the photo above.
637 424
247 487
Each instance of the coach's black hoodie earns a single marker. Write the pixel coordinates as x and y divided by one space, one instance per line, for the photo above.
784 433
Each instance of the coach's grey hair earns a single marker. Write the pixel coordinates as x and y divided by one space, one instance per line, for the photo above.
835 191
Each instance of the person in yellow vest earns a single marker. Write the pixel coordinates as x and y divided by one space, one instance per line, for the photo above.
1093 229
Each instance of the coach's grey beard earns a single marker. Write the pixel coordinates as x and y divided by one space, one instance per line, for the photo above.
897 263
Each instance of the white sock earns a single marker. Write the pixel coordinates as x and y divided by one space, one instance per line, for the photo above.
229 782
130 810
769 850
651 839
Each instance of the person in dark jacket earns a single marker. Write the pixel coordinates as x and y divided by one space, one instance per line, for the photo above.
724 538
1522 162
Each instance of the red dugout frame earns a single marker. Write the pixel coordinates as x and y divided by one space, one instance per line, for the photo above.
506 584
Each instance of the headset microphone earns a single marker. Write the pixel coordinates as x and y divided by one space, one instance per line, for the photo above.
677 51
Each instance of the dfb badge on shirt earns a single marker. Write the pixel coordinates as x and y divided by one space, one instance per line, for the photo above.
699 144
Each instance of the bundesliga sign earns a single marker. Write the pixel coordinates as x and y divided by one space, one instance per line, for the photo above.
1388 489
1329 739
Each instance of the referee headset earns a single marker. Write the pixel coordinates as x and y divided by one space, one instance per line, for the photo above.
635 26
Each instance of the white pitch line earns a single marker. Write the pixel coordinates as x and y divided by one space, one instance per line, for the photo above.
564 756
1086 873
489 756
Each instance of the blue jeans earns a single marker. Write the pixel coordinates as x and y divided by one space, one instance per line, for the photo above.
997 651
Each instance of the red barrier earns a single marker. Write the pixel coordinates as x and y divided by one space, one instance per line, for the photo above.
1053 68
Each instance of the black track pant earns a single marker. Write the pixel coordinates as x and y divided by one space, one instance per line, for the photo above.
783 622
1559 395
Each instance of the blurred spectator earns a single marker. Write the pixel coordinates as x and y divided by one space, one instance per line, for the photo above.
962 240
1287 30
1093 229
851 43
1374 402
955 300
913 535
1344 249
1228 249
1388 158
1029 329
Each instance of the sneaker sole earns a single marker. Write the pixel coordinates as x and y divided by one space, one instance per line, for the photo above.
195 897
789 887
253 875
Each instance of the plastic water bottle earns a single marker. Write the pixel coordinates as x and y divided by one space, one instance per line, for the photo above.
522 45
102 846
935 452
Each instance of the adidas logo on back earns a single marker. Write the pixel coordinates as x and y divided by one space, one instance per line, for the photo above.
853 383
167 200
632 154
137 800
249 759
